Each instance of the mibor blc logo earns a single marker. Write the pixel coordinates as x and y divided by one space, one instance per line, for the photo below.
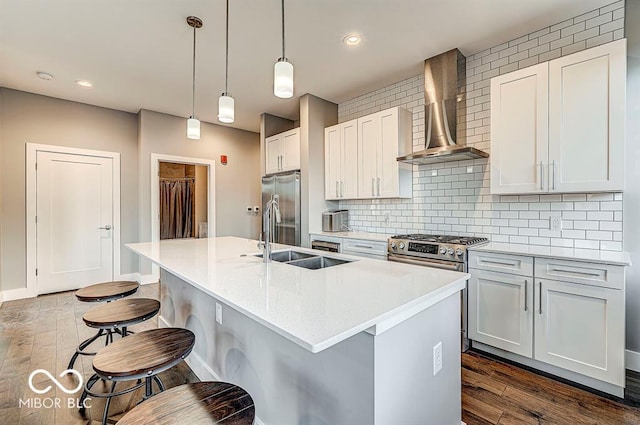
56 402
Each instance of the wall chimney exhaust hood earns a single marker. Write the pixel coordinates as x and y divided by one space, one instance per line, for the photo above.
441 102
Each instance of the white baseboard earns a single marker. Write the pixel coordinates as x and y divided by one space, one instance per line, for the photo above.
632 360
17 294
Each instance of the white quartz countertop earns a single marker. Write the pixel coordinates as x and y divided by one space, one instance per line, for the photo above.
591 255
367 236
313 308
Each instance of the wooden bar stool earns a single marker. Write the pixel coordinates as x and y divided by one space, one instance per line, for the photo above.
140 357
101 292
195 404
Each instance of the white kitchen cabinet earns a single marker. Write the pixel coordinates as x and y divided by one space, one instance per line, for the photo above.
559 126
341 161
365 248
282 152
567 314
500 311
382 137
581 328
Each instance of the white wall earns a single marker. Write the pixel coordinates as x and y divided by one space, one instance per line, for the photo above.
458 202
632 178
30 118
237 184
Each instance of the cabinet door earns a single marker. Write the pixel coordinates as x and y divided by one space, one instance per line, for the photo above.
291 151
581 328
587 92
519 131
368 143
387 182
332 160
273 151
501 311
349 159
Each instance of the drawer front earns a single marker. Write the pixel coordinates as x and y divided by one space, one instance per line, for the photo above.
604 275
364 247
504 263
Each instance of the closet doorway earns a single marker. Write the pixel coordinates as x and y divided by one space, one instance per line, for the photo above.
183 200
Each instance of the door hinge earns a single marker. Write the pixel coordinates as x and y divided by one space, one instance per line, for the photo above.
36 219
36 272
36 166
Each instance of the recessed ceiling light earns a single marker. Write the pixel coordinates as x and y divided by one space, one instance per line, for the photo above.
84 83
352 40
44 75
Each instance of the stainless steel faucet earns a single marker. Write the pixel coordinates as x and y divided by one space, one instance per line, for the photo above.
271 214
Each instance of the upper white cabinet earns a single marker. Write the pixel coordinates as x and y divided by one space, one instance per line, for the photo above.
341 160
559 126
382 137
282 152
360 157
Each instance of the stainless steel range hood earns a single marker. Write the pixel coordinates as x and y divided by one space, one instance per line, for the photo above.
441 102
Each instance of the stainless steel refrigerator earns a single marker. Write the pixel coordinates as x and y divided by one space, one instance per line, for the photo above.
287 186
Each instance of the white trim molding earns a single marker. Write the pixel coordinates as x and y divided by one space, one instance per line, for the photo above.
31 155
155 196
632 360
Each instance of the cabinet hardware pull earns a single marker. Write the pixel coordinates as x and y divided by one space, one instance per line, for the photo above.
378 186
363 246
541 176
342 189
373 186
575 272
540 298
337 196
501 263
554 174
526 298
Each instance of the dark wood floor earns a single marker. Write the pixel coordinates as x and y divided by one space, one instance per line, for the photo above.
42 333
494 392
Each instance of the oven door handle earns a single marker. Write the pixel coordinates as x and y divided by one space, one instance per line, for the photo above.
447 265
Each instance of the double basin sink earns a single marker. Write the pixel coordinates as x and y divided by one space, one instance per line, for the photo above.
305 259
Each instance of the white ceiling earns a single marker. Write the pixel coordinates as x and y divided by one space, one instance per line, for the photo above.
138 53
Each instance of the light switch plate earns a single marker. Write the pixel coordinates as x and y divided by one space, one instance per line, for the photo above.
437 358
219 313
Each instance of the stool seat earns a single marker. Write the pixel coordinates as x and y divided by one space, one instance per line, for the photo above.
125 312
143 354
107 291
197 403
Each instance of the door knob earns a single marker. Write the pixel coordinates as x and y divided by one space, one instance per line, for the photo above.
107 227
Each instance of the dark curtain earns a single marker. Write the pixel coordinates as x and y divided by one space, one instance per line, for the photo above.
176 201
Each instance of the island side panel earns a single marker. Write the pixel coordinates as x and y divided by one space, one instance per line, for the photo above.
406 391
289 384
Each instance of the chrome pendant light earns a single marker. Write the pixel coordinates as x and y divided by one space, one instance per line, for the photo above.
193 124
283 71
226 104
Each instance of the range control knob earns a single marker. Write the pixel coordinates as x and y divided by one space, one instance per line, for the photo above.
443 250
450 251
393 245
458 252
401 245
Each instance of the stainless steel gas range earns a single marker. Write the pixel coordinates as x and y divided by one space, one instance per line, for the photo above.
440 251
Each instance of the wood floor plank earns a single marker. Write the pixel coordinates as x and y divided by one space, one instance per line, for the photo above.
481 409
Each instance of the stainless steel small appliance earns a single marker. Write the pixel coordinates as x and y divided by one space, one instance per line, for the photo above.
440 251
335 220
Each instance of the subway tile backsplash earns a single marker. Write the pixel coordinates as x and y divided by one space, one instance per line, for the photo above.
453 197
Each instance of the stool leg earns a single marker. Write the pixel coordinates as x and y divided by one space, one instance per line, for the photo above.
82 346
158 382
105 415
94 378
148 390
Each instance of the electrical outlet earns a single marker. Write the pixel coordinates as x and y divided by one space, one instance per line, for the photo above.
437 358
434 173
556 223
219 313
469 170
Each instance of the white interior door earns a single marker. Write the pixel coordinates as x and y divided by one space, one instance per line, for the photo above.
74 209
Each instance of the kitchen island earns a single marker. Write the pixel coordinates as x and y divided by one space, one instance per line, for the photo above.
348 344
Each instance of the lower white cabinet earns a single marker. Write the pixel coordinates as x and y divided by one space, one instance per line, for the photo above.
569 314
581 328
500 306
365 248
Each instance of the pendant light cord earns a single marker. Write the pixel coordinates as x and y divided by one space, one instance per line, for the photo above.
283 55
193 90
226 59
